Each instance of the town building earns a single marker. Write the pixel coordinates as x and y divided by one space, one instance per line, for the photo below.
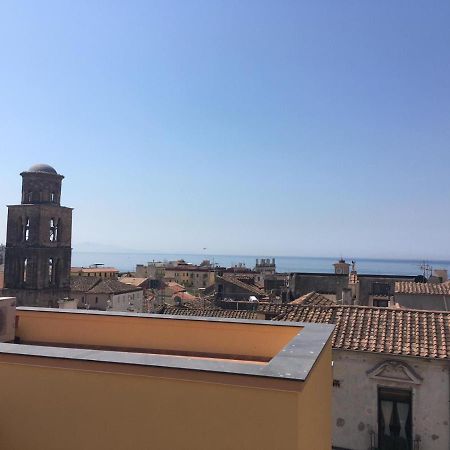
391 376
38 241
428 296
264 267
154 270
96 270
237 287
96 381
189 275
106 294
346 284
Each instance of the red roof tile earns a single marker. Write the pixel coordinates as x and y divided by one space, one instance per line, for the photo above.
404 332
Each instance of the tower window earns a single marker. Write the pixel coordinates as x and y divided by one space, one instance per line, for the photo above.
54 225
25 270
51 274
30 197
26 230
52 197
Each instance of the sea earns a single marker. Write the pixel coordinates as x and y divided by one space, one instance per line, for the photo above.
126 262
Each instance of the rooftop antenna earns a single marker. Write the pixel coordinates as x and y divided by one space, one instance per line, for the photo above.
426 269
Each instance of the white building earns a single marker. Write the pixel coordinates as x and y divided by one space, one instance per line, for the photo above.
391 376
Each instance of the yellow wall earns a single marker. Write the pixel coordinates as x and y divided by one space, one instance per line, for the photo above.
314 419
64 404
64 409
220 338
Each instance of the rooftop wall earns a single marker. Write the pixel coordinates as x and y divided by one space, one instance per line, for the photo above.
71 398
152 334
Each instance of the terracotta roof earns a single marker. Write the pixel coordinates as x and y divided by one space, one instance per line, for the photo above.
184 296
205 312
251 288
410 287
313 298
133 280
274 309
97 285
403 332
83 284
174 287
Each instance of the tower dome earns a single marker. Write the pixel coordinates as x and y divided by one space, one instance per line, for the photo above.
43 168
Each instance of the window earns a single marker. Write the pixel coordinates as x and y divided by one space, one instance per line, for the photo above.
52 197
381 302
25 270
394 419
96 300
381 289
30 197
53 230
26 230
51 274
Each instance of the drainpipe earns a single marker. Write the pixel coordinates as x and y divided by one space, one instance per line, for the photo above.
445 303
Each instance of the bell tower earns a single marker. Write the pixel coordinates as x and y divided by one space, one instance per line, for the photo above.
38 241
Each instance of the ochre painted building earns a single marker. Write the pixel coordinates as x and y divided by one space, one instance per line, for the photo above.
92 380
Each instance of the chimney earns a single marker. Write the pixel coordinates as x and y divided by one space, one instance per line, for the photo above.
442 274
347 296
8 324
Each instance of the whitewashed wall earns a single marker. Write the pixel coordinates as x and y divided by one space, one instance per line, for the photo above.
355 405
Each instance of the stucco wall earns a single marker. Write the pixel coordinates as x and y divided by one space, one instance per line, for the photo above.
355 406
433 302
58 408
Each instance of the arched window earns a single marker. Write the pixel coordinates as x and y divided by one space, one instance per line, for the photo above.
51 271
26 231
53 230
25 270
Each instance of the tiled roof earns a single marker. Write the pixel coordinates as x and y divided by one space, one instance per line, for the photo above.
185 296
403 332
174 287
274 309
410 287
205 312
251 288
133 280
313 298
83 284
110 286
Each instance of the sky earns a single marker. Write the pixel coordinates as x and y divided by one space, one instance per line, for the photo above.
314 128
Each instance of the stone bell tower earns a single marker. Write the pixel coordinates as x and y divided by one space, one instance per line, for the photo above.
38 241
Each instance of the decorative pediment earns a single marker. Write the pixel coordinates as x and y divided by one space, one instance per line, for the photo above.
394 370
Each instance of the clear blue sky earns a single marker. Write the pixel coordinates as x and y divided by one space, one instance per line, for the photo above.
251 127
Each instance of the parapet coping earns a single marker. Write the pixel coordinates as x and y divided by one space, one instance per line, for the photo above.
294 362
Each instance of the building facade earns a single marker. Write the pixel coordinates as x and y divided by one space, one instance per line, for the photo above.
106 294
96 270
38 241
